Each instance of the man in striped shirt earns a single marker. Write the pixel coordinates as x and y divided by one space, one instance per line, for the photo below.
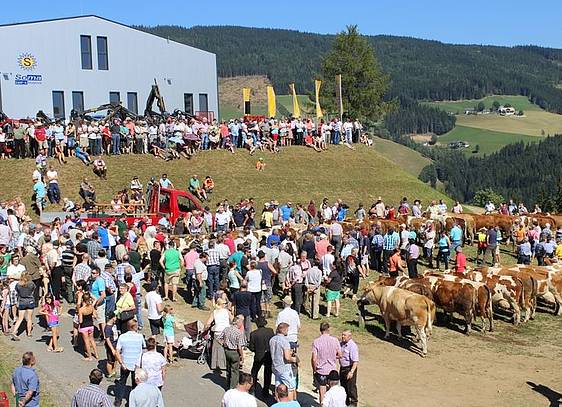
213 268
326 350
92 395
391 240
82 271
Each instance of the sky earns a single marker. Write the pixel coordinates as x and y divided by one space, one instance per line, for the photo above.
513 22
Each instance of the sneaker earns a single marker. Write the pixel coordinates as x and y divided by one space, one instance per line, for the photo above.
204 308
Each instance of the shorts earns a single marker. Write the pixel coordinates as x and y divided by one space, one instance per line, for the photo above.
287 378
23 307
332 295
53 324
155 325
267 295
89 330
42 144
365 260
169 339
282 276
320 379
109 354
100 312
172 278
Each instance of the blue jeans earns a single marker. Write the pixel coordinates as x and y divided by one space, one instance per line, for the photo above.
234 140
336 139
204 141
213 279
115 143
138 304
200 294
53 192
97 146
454 245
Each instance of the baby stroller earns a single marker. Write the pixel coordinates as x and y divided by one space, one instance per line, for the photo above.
197 342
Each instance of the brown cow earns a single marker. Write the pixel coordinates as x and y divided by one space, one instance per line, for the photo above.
402 306
529 282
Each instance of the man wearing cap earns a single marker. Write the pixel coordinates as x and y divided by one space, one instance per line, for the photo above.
335 396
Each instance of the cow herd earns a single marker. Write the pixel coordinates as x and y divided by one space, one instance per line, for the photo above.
480 293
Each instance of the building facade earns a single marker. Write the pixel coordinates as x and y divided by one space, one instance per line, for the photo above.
84 62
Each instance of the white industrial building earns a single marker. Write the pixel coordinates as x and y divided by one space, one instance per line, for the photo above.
83 62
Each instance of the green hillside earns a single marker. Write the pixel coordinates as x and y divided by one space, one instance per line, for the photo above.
297 174
406 158
489 141
419 69
284 107
459 107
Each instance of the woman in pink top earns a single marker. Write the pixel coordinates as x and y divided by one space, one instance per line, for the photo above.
51 309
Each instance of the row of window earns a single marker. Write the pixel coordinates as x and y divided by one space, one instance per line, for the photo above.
86 52
115 97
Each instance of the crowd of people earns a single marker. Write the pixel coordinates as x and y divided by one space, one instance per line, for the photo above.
172 138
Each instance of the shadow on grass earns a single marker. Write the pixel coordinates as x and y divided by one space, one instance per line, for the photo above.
552 396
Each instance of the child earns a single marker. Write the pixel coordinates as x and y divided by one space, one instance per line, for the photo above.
51 309
260 165
110 335
168 321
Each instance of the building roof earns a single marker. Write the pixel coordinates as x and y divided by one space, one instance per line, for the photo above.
100 18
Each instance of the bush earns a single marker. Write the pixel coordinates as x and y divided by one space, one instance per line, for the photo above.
488 194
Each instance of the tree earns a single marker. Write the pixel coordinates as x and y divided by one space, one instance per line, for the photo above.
433 140
481 106
428 174
363 82
485 195
495 106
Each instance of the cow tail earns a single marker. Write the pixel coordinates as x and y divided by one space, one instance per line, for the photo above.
522 298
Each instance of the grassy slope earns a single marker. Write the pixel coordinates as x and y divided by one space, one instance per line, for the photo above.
489 141
534 123
518 102
297 174
406 158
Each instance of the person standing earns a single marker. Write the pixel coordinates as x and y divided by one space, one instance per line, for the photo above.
129 352
144 394
240 396
92 395
412 258
492 241
326 350
219 319
172 262
233 342
154 364
291 318
201 275
391 241
259 344
283 358
242 302
25 382
154 304
348 367
26 304
213 269
313 282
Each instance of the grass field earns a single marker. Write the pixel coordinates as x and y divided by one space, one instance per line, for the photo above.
297 174
459 107
409 160
534 123
489 141
284 105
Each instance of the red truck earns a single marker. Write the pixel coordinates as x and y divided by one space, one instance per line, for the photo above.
172 203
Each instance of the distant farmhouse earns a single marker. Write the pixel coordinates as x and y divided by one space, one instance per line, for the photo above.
506 111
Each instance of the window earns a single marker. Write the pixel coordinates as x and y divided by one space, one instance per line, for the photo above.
114 97
58 104
132 104
185 204
188 102
86 51
103 63
203 102
78 101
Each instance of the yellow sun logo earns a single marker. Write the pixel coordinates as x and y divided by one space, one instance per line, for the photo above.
27 61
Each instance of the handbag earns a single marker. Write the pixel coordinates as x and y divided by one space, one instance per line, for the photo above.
127 315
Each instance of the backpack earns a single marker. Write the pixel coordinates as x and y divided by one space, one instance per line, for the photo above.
540 250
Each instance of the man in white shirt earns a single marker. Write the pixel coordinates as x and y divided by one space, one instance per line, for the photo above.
291 318
328 261
53 191
239 397
201 275
222 219
336 395
154 305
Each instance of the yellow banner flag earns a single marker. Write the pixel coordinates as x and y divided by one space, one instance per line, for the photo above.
319 113
246 98
271 107
296 108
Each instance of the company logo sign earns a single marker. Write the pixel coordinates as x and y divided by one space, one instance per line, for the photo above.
28 79
27 61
